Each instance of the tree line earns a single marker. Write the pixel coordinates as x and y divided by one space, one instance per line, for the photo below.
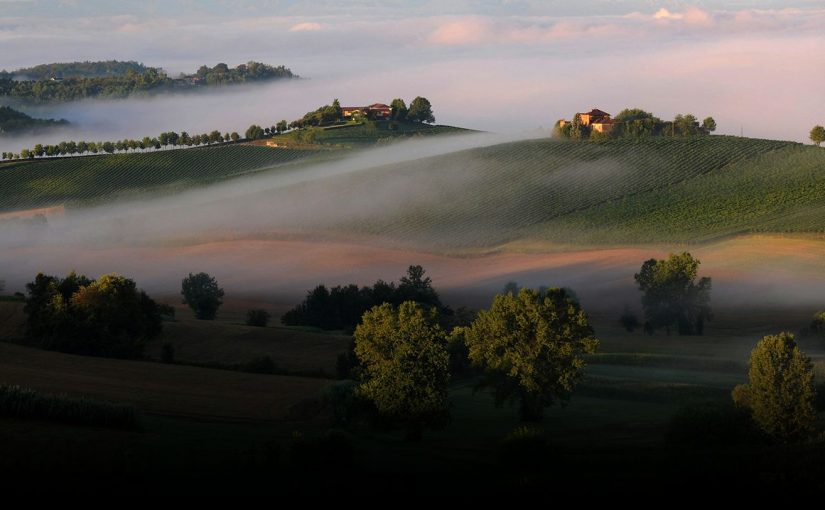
165 139
132 81
634 123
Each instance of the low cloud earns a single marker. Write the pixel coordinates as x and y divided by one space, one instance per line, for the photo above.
305 27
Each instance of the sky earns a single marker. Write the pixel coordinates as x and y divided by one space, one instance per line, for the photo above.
506 66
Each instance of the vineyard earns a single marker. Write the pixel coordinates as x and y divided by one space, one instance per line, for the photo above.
80 180
657 190
618 192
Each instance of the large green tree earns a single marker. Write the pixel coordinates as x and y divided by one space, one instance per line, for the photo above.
105 317
399 109
421 110
672 297
405 365
781 391
202 294
818 135
530 346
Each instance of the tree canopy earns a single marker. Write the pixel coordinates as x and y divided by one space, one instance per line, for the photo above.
530 345
202 294
817 135
780 390
104 317
405 365
341 307
421 110
672 297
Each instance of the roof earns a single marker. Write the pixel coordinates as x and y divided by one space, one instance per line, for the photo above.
379 106
595 112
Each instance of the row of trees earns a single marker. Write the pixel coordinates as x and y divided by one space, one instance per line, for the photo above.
341 307
165 139
634 123
256 132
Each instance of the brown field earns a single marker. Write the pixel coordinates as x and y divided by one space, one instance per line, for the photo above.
155 388
228 340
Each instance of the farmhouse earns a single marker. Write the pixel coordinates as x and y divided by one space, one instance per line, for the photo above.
597 119
375 110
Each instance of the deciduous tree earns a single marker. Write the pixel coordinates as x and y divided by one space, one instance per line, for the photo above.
530 346
202 294
403 352
672 297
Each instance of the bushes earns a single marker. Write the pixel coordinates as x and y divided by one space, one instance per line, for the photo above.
258 317
17 402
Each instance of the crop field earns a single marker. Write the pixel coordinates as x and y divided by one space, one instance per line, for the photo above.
80 180
657 190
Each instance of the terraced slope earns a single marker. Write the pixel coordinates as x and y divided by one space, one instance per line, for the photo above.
78 180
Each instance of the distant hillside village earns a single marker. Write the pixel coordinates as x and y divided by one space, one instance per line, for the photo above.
629 123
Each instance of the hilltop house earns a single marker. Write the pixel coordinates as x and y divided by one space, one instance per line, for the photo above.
375 110
597 119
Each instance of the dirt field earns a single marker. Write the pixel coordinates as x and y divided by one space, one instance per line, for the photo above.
155 388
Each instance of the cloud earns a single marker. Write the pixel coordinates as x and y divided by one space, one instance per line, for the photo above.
471 30
305 27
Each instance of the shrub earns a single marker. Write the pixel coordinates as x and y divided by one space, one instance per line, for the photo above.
17 402
346 406
524 449
257 317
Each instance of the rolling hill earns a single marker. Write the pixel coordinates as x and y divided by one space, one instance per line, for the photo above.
683 190
657 190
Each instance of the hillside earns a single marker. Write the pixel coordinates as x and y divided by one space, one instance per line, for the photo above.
684 190
15 122
656 190
79 69
81 180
